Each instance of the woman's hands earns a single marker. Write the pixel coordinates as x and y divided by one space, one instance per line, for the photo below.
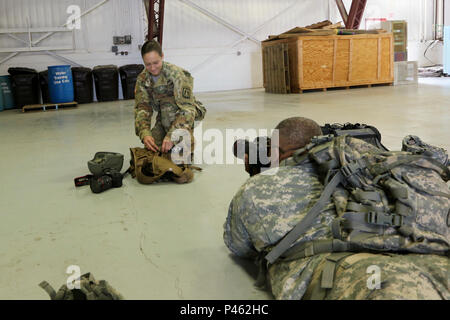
150 144
167 145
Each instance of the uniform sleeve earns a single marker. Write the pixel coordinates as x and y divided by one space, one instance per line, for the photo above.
143 110
184 98
236 236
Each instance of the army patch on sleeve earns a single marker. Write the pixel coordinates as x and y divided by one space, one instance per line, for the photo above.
186 92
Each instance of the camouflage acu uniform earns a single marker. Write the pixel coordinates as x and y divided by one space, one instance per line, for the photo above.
172 98
268 206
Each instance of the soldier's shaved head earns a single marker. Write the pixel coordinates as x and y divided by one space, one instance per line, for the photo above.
296 132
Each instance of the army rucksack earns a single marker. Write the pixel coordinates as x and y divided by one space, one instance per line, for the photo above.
149 167
389 201
90 289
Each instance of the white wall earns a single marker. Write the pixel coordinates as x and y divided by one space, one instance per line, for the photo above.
213 61
191 39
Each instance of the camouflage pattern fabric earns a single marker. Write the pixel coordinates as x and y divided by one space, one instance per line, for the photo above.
396 185
268 206
402 277
415 145
172 98
90 289
412 277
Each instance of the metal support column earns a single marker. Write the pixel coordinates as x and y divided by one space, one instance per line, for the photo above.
356 14
341 6
155 20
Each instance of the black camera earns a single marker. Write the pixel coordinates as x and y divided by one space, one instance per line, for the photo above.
105 169
258 153
110 179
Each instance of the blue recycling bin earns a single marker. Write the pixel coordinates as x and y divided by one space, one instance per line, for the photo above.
60 84
6 93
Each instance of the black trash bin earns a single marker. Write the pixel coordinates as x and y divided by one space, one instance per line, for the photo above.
25 86
106 82
43 82
82 84
128 76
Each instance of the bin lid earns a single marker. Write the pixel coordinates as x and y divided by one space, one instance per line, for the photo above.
20 70
132 66
81 69
59 66
108 66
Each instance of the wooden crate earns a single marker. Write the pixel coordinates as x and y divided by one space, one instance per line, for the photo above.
49 106
320 62
276 68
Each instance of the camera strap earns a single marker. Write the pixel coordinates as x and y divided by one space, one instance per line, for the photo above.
82 181
85 180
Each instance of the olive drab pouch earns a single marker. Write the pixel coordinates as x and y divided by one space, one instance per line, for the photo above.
104 161
395 201
415 145
149 167
89 289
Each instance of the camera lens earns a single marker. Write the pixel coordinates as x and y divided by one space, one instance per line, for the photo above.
100 184
240 148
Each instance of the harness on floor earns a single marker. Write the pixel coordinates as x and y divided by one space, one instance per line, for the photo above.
149 167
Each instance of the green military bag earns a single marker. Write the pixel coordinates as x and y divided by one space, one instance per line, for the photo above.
90 289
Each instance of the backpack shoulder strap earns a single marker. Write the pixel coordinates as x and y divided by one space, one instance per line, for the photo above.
302 227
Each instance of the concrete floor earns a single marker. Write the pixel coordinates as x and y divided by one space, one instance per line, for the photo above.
160 241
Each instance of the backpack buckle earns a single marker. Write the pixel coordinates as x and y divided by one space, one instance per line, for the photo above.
350 170
321 139
384 219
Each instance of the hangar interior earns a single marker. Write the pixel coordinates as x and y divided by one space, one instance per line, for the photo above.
165 241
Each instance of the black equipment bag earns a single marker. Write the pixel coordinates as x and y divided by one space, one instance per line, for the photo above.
364 132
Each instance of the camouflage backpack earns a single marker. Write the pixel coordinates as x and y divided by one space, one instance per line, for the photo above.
90 289
385 201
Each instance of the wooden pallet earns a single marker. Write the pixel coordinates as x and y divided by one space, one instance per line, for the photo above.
346 87
49 106
276 69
